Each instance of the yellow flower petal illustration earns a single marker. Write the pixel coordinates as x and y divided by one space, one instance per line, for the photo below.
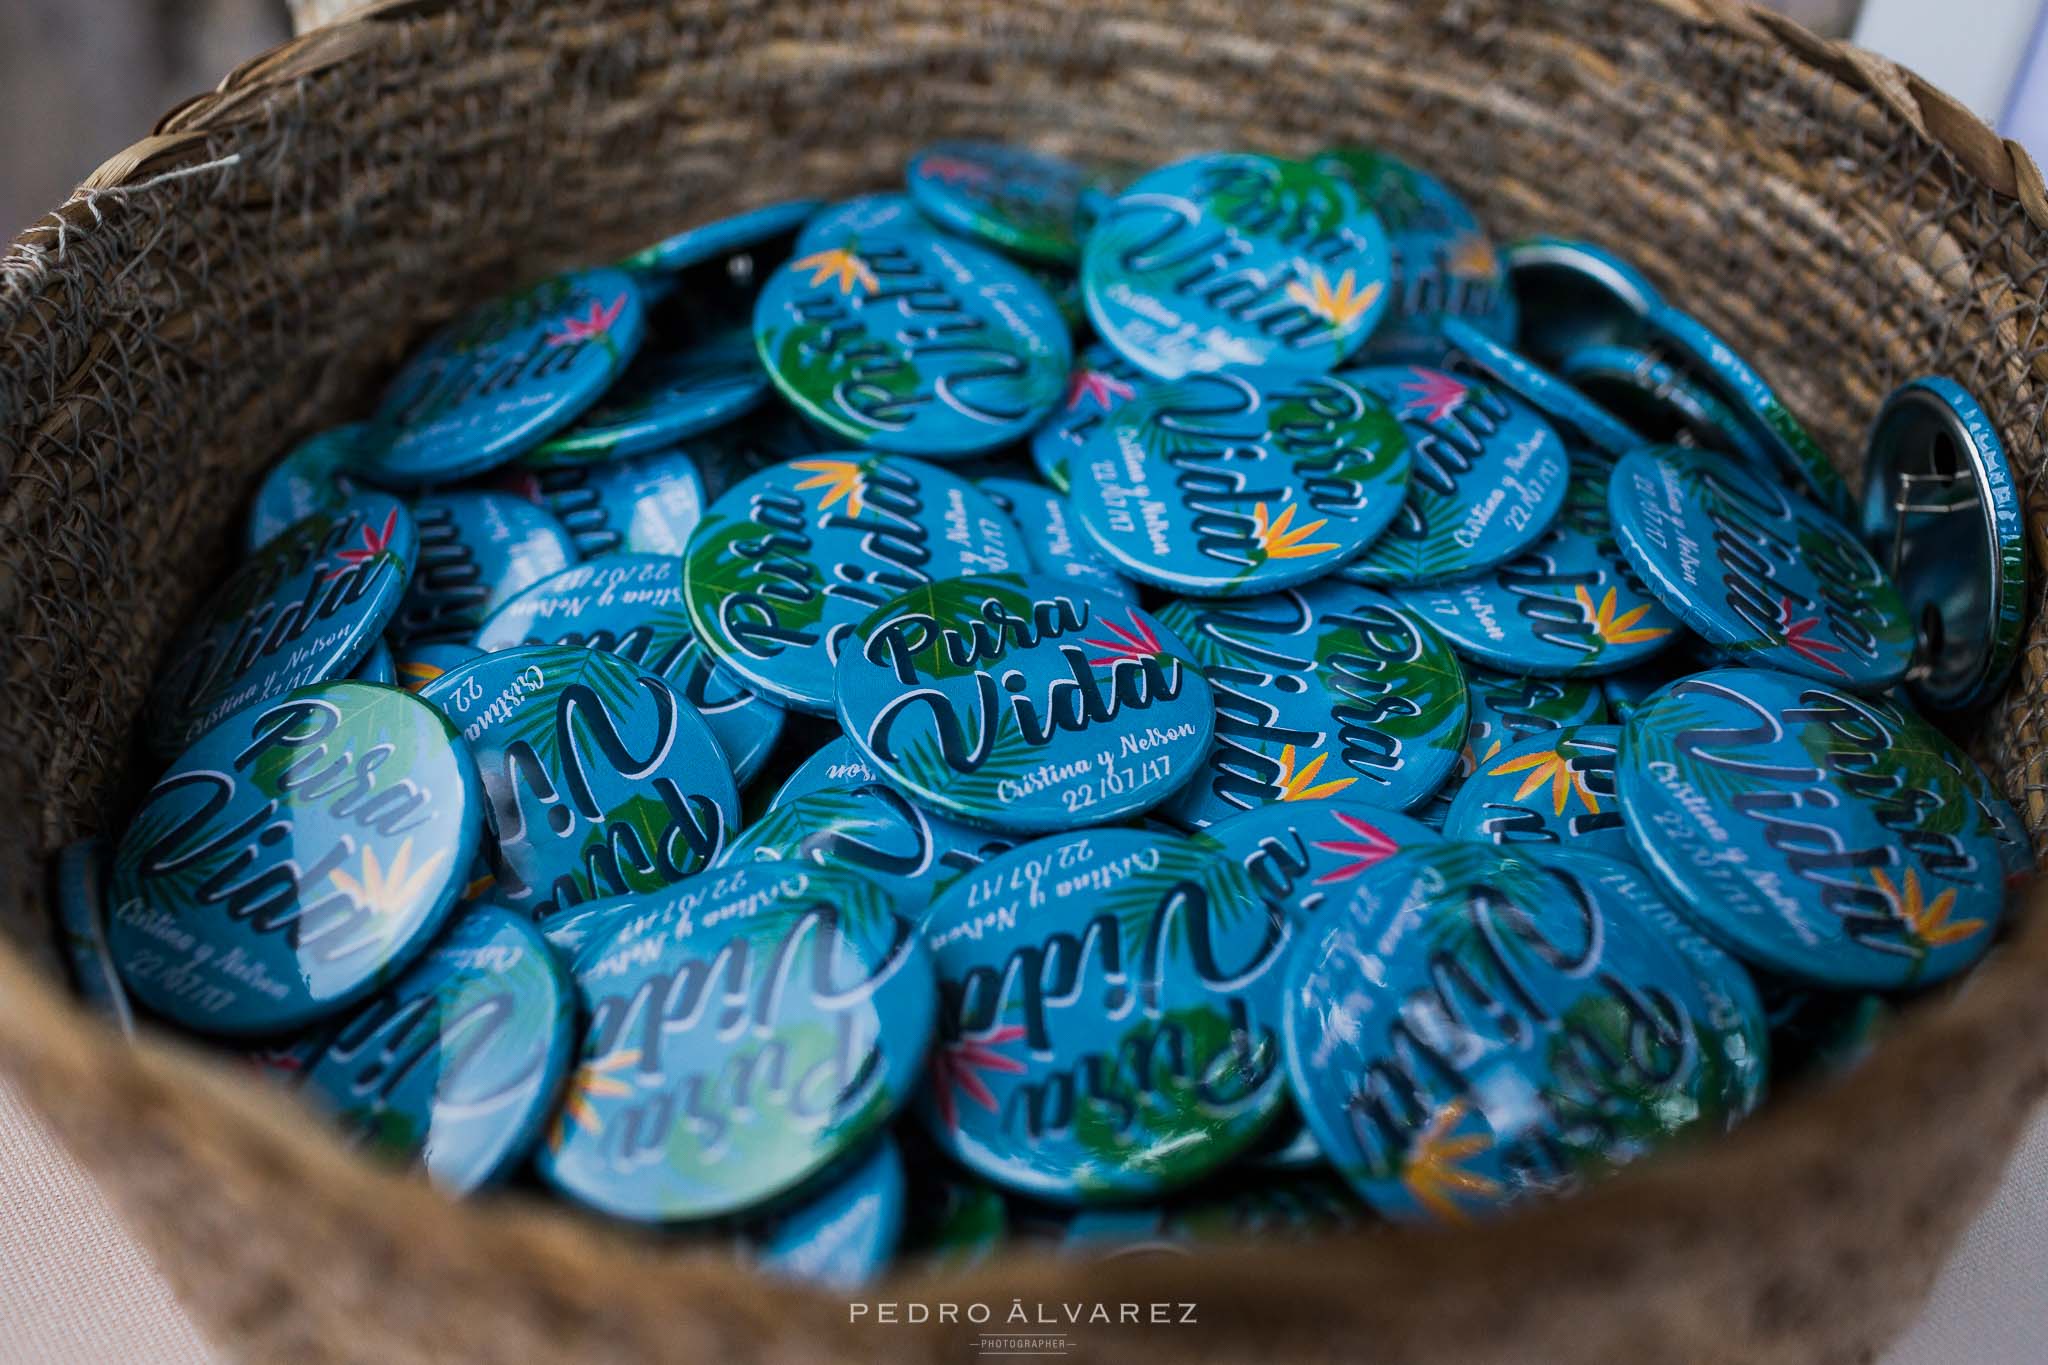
839 264
1302 785
1279 541
843 479
1621 630
1431 1171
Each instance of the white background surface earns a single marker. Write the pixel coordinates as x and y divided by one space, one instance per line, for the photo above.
75 1289
1972 49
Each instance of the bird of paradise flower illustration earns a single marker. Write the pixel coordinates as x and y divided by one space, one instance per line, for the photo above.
1301 785
375 542
596 325
958 1066
1432 1170
954 170
1136 644
414 674
1338 304
841 265
1927 921
594 1080
1432 395
1800 640
1281 539
1617 630
1471 257
1555 768
1367 850
387 894
1098 387
842 480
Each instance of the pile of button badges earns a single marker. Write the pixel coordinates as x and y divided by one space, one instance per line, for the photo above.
1130 709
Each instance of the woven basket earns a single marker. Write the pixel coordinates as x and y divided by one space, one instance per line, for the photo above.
249 273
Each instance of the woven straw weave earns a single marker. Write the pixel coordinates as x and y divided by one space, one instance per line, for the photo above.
251 271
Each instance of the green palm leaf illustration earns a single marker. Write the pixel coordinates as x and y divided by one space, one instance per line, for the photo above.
175 890
1678 716
1209 648
923 767
960 604
716 571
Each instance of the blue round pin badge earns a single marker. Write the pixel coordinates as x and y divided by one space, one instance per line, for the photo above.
1238 483
378 666
1012 701
632 606
1823 836
496 383
1102 381
1942 512
294 860
1761 575
672 1114
787 564
1555 789
1573 294
648 504
477 550
1039 958
914 343
1997 819
1046 528
911 854
668 393
457 1065
1442 263
601 779
1793 452
80 883
1330 690
569 932
836 767
316 476
863 217
305 608
1660 402
1583 1056
1507 709
1488 478
1307 283
1728 1014
1569 604
843 1237
740 234
1017 200
1300 855
419 665
1564 407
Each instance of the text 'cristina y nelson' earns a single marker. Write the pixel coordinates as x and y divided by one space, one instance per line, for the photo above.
1029 1314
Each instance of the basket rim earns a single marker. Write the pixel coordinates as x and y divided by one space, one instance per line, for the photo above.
183 137
47 1029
